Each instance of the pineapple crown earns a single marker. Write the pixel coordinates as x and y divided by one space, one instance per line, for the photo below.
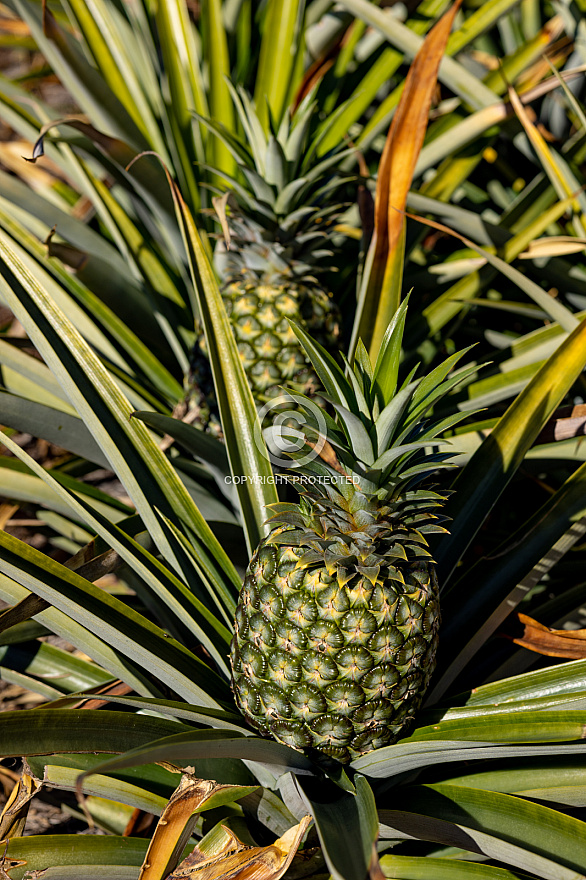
379 448
281 197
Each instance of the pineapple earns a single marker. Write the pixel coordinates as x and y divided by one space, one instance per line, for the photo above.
337 623
278 236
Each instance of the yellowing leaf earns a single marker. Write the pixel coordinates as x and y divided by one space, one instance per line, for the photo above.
553 246
381 289
14 815
178 818
223 856
548 160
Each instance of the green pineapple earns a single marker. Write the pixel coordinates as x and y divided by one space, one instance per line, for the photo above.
337 624
279 229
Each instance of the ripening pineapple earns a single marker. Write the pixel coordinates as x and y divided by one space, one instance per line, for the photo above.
337 623
280 228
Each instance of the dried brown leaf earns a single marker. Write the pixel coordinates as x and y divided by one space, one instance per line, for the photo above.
230 859
380 299
14 815
178 819
567 643
23 610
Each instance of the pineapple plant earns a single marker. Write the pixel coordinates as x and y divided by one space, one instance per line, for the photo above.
337 623
487 780
278 225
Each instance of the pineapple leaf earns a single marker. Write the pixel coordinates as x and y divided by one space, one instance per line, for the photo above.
492 466
331 376
523 553
359 387
251 124
244 441
387 458
278 53
221 106
112 620
188 746
386 368
347 857
201 715
432 385
139 462
276 164
175 596
390 417
226 137
360 442
363 360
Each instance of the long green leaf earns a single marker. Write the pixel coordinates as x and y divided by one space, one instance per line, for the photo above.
174 595
185 747
139 463
71 855
539 829
277 57
221 107
493 465
249 459
57 427
565 678
112 43
111 620
452 74
404 825
347 827
116 662
65 671
418 868
50 731
488 592
196 714
395 760
84 82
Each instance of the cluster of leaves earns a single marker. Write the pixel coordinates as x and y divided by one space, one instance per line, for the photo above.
109 300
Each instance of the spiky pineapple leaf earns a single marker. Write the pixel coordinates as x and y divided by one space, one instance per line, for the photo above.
347 825
403 825
121 791
467 86
494 464
278 56
336 385
244 441
51 731
118 664
394 760
386 368
185 747
138 461
200 715
19 484
112 620
182 600
91 857
554 308
429 868
494 582
220 103
540 830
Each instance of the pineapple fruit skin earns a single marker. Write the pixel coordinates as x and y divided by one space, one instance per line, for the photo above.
337 667
259 309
